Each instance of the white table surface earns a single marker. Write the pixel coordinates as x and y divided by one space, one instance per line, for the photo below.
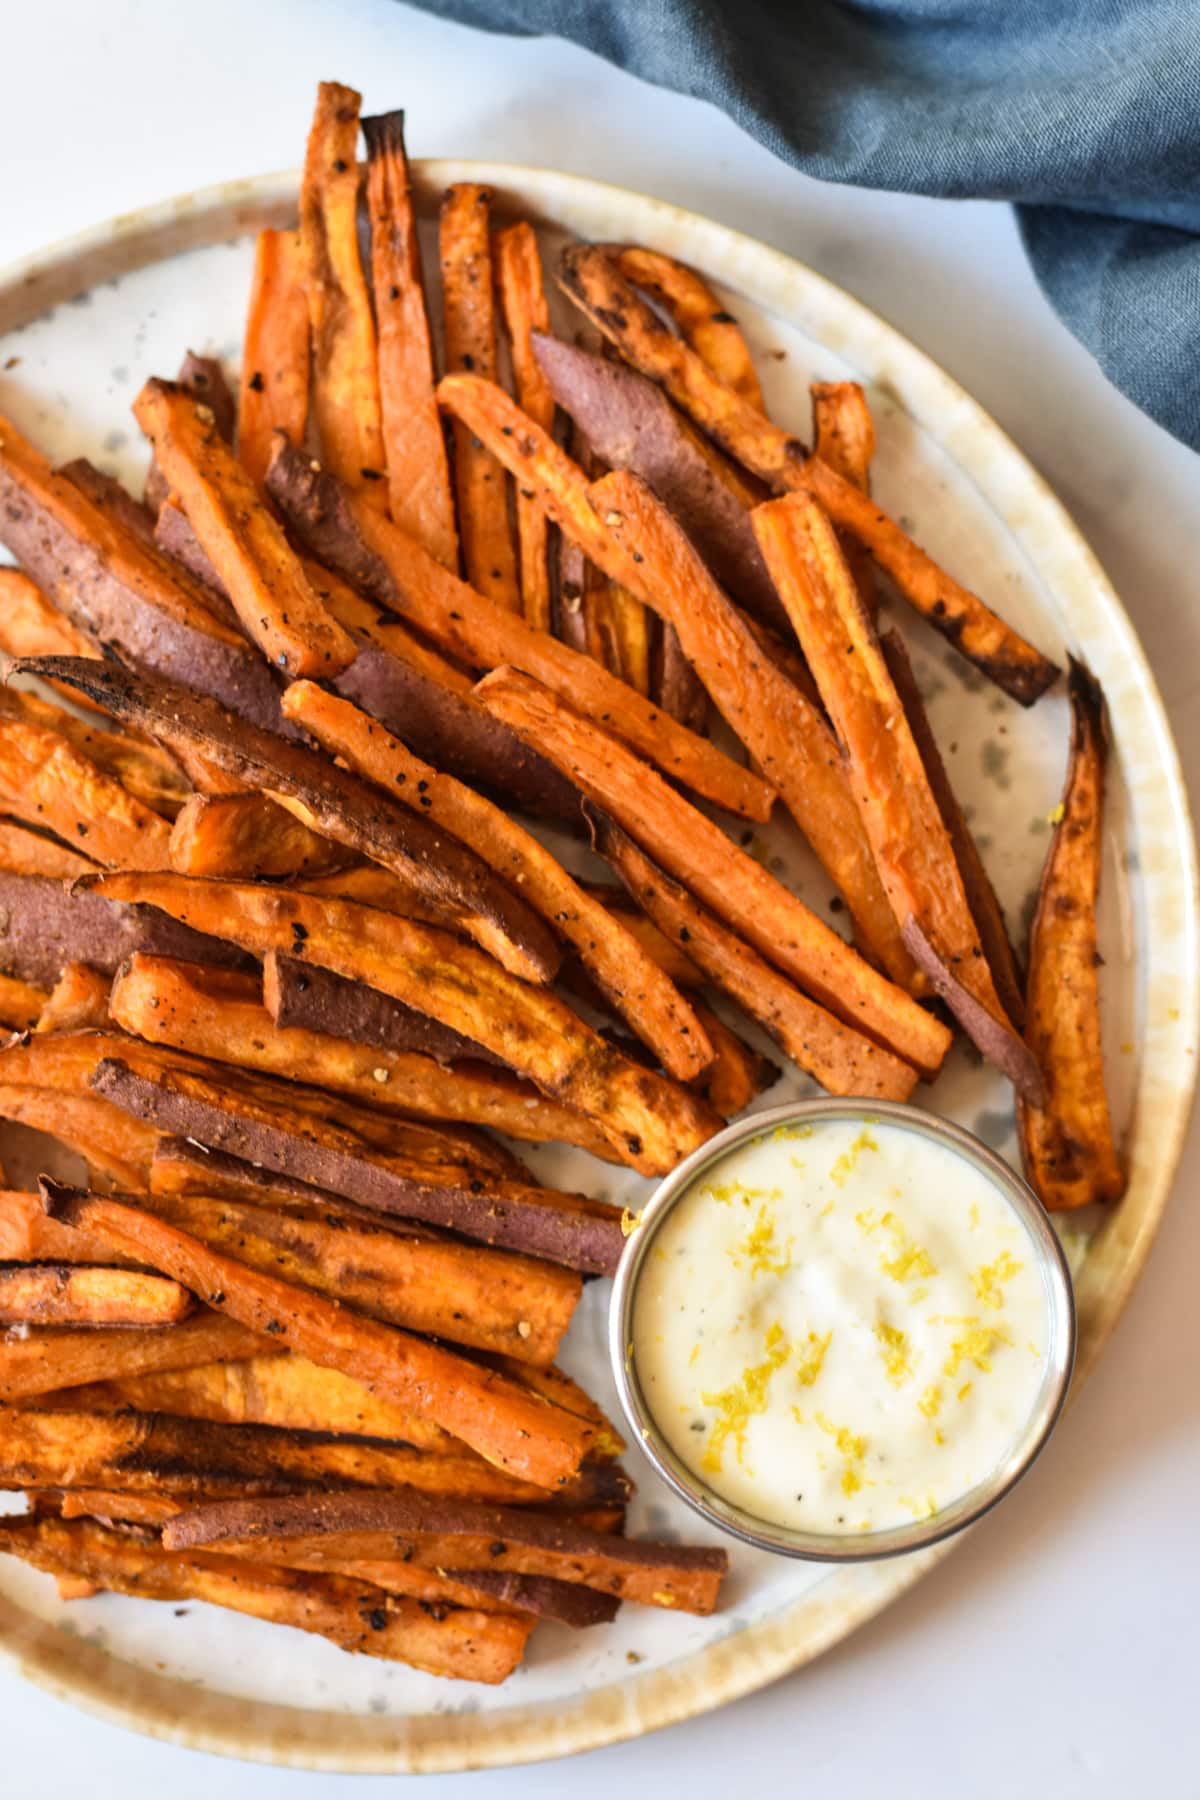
1055 1652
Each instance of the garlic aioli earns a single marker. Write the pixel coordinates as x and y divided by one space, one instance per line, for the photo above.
841 1326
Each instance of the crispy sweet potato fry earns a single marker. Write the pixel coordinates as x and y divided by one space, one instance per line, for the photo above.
785 732
21 1004
385 631
46 781
713 333
345 375
844 439
720 875
274 386
589 276
836 1055
981 895
469 330
530 1028
667 954
296 993
27 1235
632 425
419 491
458 1292
556 1385
343 808
171 1003
531 1440
77 1295
77 1002
281 1389
204 379
145 771
161 1454
366 1525
48 1360
396 572
908 837
493 1209
1067 1146
630 980
24 851
518 268
121 591
247 836
258 569
463 1642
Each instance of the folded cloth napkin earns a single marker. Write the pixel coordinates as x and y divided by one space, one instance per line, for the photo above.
1085 113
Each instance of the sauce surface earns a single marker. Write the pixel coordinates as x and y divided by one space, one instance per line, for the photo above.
841 1326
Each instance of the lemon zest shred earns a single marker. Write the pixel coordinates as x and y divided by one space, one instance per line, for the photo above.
845 1164
852 1450
737 1404
759 1252
629 1222
977 1345
812 1358
897 1361
930 1402
988 1280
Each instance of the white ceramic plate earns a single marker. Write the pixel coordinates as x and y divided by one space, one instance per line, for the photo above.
80 328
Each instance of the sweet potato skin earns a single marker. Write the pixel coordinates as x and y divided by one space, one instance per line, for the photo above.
1068 1149
306 997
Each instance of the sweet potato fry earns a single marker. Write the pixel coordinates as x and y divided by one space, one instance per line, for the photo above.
632 425
667 954
110 496
504 1538
281 1390
833 1053
274 386
518 268
247 837
590 277
720 875
529 1439
27 1235
77 1002
46 781
981 895
899 813
171 1003
145 771
1067 1146
385 631
419 491
187 1460
492 1209
469 331
630 980
462 1642
31 626
116 1149
530 1028
844 439
80 1296
737 1073
349 811
457 1292
701 320
259 571
397 573
21 1004
674 683
345 380
785 732
45 1361
203 378
24 851
119 590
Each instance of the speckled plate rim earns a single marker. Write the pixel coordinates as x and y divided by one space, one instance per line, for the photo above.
164 1708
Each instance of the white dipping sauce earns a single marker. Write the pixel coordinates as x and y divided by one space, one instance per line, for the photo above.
841 1326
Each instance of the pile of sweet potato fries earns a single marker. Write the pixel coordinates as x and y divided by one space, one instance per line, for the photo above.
280 954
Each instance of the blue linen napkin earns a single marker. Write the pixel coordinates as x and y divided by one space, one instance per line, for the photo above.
1084 113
